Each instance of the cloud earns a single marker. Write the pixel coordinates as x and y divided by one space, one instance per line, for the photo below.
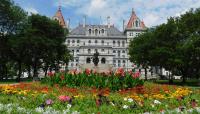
153 12
31 10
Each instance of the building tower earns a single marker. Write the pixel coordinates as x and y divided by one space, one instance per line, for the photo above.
59 17
134 27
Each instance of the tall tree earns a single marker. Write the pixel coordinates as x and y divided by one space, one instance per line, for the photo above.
11 19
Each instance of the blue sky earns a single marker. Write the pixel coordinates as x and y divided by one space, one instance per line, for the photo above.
152 12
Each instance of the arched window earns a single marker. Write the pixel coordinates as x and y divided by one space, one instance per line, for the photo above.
96 41
123 51
118 43
118 53
113 43
89 51
137 23
103 60
124 61
78 41
88 60
68 41
102 42
114 51
73 41
96 32
119 63
102 31
123 44
89 41
90 31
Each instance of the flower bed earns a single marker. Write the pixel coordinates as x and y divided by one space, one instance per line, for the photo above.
150 98
112 80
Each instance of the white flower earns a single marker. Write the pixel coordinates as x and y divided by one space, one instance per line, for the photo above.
75 112
39 109
130 100
125 107
198 109
125 99
69 106
152 106
157 102
112 103
66 111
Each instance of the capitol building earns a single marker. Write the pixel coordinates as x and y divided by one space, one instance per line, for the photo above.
111 43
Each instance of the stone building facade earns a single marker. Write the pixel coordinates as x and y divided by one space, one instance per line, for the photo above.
111 43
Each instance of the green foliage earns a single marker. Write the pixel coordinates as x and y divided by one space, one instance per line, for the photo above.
173 46
112 81
29 42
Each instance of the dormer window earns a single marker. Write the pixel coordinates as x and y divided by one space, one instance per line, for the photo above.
90 31
137 23
102 31
96 32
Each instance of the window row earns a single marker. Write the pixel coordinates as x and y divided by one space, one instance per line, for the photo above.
119 65
89 60
119 61
96 31
73 41
123 51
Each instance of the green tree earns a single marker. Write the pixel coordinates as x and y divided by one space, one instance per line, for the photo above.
11 20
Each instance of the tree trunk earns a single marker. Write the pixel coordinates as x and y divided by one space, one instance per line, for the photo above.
35 75
145 74
45 70
6 73
19 71
184 79
170 78
29 71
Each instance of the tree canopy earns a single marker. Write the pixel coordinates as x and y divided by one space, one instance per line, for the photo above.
173 46
30 43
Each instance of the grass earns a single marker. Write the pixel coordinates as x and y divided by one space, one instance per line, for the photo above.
189 83
13 81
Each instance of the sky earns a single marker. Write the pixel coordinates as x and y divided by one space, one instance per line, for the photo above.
152 12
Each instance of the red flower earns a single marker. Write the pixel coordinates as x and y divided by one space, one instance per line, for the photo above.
50 74
63 98
87 71
62 77
136 75
193 103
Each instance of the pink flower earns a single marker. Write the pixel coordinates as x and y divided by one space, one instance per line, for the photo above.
193 103
49 102
50 74
120 72
62 77
87 71
63 98
136 75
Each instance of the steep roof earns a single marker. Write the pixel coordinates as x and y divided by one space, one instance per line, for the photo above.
58 16
111 31
132 22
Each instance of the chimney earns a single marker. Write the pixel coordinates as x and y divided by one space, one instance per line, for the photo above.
84 21
108 21
123 24
68 23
